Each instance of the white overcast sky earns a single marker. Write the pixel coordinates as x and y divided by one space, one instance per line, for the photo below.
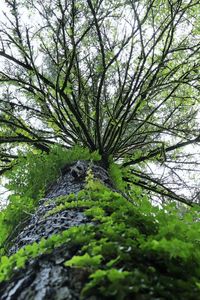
3 192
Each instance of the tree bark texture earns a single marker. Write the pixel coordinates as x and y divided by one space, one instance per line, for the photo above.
45 277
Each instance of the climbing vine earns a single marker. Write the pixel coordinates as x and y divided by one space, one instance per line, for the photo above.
29 180
128 250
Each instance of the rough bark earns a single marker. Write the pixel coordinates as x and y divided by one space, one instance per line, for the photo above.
45 277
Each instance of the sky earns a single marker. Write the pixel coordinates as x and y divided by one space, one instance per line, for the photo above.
3 191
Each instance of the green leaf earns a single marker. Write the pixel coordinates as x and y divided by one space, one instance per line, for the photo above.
84 261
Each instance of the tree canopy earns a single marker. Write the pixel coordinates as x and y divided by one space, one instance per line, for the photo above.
117 77
99 118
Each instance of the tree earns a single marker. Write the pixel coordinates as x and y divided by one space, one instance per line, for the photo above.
120 77
106 81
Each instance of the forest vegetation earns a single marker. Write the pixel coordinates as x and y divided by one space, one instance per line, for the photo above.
114 83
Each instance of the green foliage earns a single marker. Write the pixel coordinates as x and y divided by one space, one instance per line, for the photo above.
112 283
127 251
17 211
115 173
34 172
29 180
85 261
142 250
75 235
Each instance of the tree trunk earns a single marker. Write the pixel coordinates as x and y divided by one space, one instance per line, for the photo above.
45 277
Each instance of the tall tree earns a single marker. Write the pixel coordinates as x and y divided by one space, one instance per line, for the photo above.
120 77
107 81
